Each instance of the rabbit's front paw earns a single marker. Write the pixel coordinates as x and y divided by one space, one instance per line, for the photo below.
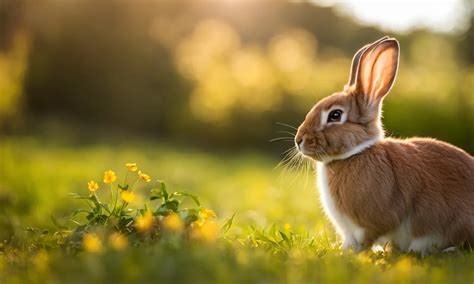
351 243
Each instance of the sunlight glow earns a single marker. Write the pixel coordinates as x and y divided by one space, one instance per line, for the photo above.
405 15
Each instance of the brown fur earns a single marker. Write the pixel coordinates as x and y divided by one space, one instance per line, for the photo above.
428 181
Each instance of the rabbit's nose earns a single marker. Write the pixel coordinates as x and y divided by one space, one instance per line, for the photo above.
298 141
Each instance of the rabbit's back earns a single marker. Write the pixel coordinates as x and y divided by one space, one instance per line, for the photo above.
438 180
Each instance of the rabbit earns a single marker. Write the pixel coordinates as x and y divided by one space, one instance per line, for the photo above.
416 193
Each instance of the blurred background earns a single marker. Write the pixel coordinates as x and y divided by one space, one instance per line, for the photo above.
193 91
220 74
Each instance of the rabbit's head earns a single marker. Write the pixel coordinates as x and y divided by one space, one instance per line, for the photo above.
346 122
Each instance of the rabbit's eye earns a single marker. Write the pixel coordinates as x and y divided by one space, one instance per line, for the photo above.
335 115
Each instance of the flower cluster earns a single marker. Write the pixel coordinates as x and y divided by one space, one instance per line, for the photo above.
124 219
110 177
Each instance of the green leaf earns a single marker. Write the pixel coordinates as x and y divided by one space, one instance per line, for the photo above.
78 196
156 192
56 223
160 193
284 236
105 207
162 212
77 211
190 218
228 224
192 196
98 205
163 190
90 216
98 219
172 205
125 187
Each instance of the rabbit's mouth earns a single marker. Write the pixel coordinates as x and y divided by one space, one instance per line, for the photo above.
311 154
307 154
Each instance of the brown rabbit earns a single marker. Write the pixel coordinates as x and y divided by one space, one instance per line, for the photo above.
417 193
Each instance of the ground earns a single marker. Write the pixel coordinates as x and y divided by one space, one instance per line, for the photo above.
279 233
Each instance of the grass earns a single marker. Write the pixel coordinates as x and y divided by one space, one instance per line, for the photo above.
278 235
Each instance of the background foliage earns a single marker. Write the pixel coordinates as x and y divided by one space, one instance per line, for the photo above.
213 73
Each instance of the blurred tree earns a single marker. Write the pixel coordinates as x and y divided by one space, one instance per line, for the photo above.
222 73
14 46
468 39
11 21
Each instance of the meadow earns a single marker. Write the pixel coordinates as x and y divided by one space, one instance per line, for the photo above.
270 225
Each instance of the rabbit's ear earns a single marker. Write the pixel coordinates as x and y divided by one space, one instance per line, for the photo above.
356 60
355 65
378 68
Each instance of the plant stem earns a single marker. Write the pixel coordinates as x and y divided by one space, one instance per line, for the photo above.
117 192
115 202
111 193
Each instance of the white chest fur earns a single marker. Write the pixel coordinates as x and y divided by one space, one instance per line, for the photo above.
351 233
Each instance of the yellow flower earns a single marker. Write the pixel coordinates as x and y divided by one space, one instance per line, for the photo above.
127 196
118 241
109 176
206 213
287 226
92 243
132 167
206 232
144 177
93 186
145 222
173 223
